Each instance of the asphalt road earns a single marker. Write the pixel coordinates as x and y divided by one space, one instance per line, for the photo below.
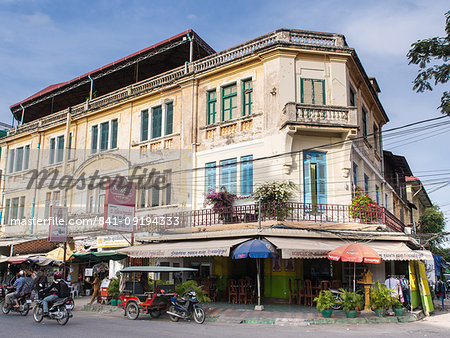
91 324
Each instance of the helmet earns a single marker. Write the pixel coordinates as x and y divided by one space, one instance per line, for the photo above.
21 273
57 275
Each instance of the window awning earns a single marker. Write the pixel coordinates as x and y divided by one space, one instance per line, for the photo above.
183 249
318 248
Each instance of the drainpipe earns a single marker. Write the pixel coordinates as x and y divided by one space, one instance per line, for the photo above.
90 92
23 113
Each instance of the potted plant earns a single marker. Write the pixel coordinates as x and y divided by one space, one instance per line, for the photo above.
222 203
351 301
324 302
380 298
113 290
274 197
397 306
182 288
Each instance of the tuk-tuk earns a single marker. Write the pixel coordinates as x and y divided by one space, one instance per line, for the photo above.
135 299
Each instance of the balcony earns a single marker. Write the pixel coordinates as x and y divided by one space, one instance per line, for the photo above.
291 213
315 115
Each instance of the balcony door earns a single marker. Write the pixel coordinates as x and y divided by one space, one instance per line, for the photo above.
315 177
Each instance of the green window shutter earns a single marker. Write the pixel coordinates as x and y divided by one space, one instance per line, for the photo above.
60 151
312 91
321 178
69 154
26 157
94 139
364 122
229 102
247 92
52 150
144 125
210 175
169 118
307 177
366 183
355 174
19 159
211 106
104 135
22 207
11 161
7 207
156 121
15 208
114 131
247 175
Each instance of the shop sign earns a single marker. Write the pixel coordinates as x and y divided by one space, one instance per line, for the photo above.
120 201
57 231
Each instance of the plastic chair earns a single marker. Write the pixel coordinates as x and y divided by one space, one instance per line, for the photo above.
75 289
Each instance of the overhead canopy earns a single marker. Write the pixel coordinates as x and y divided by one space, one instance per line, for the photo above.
58 254
100 256
155 269
220 247
319 248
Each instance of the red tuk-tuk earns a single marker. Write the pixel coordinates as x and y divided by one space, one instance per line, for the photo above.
135 299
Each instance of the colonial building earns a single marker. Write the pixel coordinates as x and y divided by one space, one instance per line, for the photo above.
289 105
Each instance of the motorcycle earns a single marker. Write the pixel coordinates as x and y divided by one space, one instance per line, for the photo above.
60 309
24 305
186 307
337 299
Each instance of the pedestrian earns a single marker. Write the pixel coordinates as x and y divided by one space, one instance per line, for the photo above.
95 288
441 290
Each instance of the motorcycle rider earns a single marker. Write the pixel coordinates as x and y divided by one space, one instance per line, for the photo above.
17 285
25 288
58 289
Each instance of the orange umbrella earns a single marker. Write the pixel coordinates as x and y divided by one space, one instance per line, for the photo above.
354 253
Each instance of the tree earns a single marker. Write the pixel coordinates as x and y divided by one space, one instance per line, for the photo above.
432 221
432 56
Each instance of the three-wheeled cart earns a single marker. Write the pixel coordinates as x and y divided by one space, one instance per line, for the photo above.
134 298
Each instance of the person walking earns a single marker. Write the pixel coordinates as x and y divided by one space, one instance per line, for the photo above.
95 288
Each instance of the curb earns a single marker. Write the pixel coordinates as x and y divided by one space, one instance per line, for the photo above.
407 318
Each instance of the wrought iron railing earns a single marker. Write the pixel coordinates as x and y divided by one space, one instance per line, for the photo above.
286 212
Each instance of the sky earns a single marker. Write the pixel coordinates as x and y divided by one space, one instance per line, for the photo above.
43 42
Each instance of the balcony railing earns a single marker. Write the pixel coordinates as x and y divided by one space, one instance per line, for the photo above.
323 115
289 212
280 37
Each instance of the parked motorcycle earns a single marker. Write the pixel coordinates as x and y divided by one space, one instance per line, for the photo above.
337 299
186 307
24 305
60 310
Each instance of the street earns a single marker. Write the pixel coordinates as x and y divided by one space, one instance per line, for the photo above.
93 324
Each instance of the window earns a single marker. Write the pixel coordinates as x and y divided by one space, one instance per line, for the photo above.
247 97
19 159
51 158
153 195
375 137
101 202
104 135
377 194
229 102
108 136
156 121
366 183
11 160
355 174
167 192
364 122
94 139
144 125
352 97
169 118
7 206
69 155
315 177
60 152
21 207
114 129
247 175
210 177
228 175
91 201
15 208
26 157
386 200
312 91
211 106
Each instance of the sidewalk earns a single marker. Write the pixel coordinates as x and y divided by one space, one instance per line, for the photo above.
274 314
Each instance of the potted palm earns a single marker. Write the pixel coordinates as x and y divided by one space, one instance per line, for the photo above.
113 290
380 299
351 301
324 302
397 306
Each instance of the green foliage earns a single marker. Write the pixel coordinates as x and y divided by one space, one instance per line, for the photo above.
362 205
396 303
433 221
324 301
351 300
380 297
113 288
221 202
433 53
190 285
274 192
